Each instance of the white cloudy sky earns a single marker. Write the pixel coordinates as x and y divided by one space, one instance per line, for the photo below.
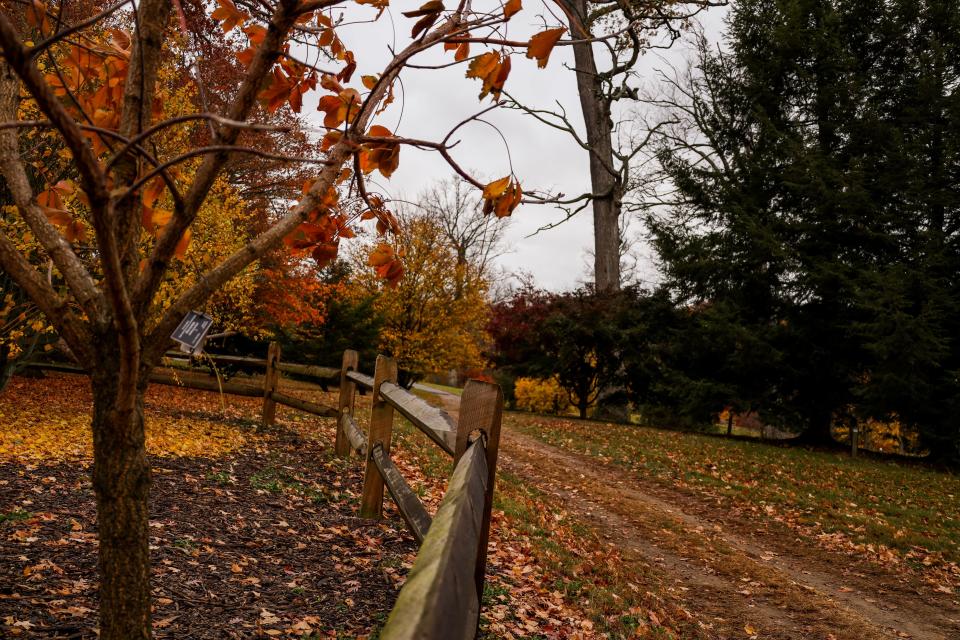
433 101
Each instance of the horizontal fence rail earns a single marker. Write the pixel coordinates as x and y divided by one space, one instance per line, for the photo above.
432 421
354 434
440 597
412 510
269 390
360 379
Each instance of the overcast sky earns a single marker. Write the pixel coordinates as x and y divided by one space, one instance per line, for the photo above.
433 101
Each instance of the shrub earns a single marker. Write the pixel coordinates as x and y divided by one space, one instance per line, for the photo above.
541 395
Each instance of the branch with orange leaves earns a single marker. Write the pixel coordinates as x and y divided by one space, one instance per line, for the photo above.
341 152
260 66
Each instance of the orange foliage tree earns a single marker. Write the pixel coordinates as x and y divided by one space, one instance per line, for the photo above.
94 82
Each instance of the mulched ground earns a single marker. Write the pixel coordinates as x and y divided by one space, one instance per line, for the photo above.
261 542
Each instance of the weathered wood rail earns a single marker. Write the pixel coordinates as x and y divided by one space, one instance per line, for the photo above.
269 390
442 596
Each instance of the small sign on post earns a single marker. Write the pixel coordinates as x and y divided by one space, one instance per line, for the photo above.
192 331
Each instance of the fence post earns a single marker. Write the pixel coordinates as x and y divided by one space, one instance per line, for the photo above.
854 438
481 409
381 432
347 388
270 380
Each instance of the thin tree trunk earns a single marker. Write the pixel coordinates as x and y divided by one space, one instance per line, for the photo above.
121 481
604 182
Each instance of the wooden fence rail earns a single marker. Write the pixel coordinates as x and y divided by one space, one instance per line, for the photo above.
441 598
269 390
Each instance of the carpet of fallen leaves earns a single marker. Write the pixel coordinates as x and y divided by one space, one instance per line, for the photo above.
254 534
897 513
42 422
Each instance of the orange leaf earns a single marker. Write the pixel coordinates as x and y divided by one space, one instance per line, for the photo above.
369 81
382 255
512 7
501 197
256 33
325 253
433 6
463 52
331 138
379 4
229 14
492 69
542 44
182 246
58 217
392 272
330 83
428 14
278 92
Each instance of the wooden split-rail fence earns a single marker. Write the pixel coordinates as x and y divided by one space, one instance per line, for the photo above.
441 597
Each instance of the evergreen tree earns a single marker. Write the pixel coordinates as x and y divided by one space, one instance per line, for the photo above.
817 165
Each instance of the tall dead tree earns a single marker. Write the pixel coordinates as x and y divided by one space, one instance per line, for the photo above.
620 30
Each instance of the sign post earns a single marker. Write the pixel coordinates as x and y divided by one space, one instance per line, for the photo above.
192 331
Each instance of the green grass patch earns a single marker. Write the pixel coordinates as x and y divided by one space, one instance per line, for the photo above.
872 501
16 515
441 387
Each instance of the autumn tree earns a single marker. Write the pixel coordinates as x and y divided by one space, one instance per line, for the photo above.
433 319
94 83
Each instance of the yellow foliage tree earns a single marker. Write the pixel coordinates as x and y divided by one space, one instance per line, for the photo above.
434 319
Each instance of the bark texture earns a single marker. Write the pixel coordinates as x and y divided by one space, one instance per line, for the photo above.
604 180
121 482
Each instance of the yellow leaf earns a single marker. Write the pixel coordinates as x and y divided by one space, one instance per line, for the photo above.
496 188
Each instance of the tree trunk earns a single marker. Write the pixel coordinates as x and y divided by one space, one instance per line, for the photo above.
121 481
604 181
818 431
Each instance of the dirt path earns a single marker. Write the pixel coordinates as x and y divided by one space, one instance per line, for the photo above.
735 578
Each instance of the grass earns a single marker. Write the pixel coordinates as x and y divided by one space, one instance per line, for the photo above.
15 516
442 387
274 479
901 506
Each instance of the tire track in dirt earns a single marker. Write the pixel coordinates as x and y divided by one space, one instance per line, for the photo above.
778 584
